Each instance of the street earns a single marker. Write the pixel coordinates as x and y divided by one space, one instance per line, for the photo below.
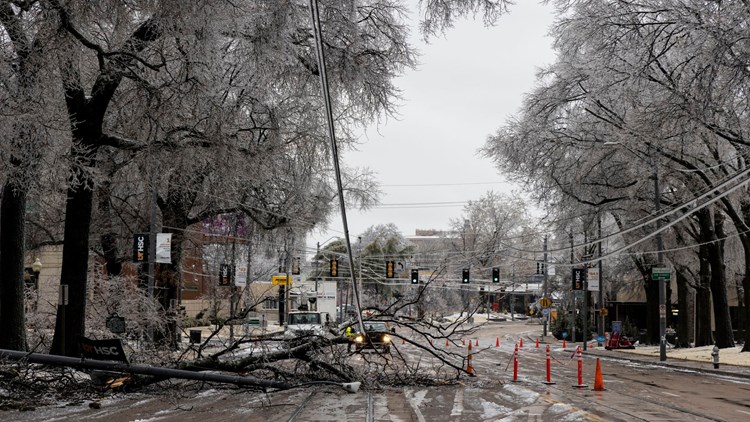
634 391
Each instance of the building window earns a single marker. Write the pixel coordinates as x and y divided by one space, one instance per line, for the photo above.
270 303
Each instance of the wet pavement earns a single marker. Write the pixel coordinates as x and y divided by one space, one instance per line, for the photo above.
694 365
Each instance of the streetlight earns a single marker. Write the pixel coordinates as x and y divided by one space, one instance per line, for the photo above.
659 256
36 268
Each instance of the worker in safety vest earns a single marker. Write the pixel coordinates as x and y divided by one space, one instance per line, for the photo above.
349 334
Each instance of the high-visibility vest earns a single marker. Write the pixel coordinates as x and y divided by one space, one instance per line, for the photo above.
348 332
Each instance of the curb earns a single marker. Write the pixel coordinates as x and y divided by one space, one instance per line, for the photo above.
740 371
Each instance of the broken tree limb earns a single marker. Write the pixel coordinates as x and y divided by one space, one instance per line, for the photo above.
145 370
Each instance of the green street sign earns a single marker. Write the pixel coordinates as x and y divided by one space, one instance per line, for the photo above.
661 273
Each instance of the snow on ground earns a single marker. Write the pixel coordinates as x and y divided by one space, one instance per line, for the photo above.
730 356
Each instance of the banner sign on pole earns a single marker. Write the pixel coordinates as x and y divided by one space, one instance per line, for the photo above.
240 279
164 248
593 278
225 275
140 247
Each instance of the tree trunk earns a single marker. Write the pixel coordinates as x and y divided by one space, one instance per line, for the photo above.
703 332
683 294
712 230
12 232
71 318
745 239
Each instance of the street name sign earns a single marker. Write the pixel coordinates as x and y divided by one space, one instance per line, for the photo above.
661 273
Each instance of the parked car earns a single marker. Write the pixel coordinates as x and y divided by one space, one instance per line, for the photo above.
496 318
376 336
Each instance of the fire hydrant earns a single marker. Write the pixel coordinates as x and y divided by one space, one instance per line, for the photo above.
715 356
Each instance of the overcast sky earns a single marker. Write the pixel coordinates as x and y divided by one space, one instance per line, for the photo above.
466 86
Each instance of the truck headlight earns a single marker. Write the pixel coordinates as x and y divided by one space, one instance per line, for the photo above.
386 338
359 339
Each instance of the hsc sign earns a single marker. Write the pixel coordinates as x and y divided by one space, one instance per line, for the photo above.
110 349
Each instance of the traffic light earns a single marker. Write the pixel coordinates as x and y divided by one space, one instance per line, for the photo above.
465 277
495 275
295 265
414 276
538 267
334 268
389 273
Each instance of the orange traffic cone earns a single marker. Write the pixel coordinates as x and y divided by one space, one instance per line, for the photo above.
564 344
537 343
463 342
598 381
446 342
476 343
520 343
497 341
403 341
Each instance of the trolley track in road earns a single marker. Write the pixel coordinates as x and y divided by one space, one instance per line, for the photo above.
565 388
301 407
299 413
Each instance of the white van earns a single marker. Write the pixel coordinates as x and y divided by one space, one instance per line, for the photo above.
305 323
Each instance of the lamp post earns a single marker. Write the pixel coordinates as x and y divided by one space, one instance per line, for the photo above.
36 268
659 256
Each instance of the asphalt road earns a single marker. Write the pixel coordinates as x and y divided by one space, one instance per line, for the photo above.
633 392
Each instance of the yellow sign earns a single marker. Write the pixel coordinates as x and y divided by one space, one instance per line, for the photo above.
545 302
281 280
604 311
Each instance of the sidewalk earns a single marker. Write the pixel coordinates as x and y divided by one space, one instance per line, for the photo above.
731 361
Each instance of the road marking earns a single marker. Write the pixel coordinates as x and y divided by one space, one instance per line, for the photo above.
414 406
370 415
742 411
458 403
670 394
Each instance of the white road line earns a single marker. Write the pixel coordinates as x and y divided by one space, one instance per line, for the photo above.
742 411
670 394
458 403
414 406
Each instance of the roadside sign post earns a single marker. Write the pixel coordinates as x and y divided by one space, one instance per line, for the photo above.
662 275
